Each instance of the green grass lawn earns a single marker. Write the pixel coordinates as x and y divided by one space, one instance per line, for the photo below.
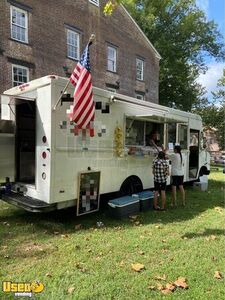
76 260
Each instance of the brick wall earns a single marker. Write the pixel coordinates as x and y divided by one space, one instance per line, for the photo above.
46 50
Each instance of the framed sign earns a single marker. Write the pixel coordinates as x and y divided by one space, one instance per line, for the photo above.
88 192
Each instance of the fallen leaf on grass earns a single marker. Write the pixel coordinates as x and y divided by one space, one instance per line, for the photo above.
64 235
134 217
160 277
181 282
219 209
166 291
70 290
211 238
152 287
121 264
6 223
160 287
171 286
137 267
98 258
218 275
137 223
34 247
141 252
117 227
78 226
48 275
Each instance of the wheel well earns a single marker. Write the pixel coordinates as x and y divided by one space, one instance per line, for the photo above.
131 185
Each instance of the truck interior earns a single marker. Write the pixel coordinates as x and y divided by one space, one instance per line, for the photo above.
25 141
194 153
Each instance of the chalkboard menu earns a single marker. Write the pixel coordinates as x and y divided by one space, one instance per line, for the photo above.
88 193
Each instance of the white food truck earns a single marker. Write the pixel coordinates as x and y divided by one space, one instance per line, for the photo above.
50 165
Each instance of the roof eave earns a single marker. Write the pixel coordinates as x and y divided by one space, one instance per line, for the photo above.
150 44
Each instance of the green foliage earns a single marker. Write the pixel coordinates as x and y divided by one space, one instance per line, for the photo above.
220 93
213 116
182 35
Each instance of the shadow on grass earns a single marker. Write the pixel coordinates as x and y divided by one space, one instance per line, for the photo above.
208 232
65 221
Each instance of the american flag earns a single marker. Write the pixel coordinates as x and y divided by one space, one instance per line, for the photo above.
83 110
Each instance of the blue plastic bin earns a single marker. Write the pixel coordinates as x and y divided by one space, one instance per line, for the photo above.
124 206
146 200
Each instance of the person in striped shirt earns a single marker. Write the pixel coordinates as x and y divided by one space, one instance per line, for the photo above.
160 169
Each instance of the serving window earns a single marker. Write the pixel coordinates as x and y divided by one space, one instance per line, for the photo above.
138 132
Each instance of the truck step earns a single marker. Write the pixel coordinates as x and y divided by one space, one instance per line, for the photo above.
27 203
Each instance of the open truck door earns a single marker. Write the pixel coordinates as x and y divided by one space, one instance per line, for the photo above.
19 117
7 140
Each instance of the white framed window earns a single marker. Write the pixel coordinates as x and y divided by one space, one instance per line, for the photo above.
73 44
139 69
96 2
20 75
19 24
140 96
111 59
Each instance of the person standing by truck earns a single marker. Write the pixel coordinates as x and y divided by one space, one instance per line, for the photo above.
160 171
177 173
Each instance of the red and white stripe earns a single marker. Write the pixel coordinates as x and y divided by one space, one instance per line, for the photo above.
83 110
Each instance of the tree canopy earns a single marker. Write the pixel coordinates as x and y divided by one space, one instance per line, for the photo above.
213 115
180 32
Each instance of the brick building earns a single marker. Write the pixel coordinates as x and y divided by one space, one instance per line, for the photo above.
42 37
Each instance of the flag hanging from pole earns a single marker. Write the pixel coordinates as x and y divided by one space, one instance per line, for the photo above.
83 109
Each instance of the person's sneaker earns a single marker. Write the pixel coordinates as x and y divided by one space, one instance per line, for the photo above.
157 208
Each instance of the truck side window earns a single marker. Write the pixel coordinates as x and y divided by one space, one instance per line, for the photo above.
134 132
182 136
171 133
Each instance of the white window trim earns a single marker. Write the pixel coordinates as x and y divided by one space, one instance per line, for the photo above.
142 97
95 2
21 67
111 90
142 70
78 48
115 59
26 23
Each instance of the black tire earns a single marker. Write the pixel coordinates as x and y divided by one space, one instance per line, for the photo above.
131 185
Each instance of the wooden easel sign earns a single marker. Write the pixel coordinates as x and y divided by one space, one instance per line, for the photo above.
88 192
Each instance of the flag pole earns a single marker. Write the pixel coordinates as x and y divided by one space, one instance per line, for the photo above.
91 39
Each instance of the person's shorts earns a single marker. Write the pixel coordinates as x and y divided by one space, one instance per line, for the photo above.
177 180
159 186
